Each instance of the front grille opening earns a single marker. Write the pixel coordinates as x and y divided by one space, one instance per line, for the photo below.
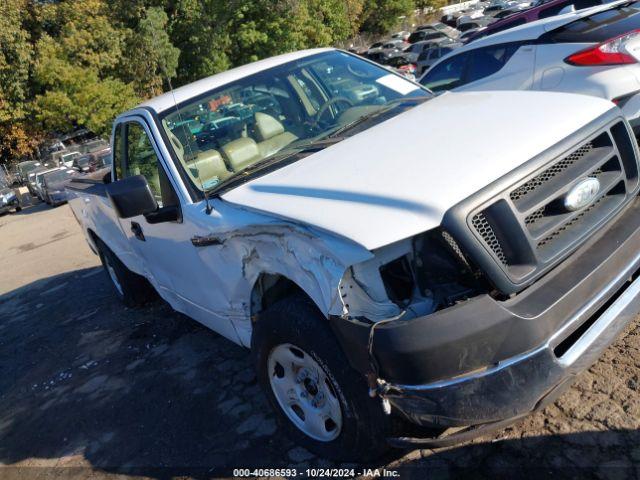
558 168
567 226
554 212
627 153
568 229
533 218
502 235
566 344
611 165
536 182
485 229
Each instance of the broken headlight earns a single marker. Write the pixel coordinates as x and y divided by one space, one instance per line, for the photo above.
436 269
442 269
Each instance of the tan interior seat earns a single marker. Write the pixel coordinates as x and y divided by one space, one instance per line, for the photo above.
241 153
271 134
209 167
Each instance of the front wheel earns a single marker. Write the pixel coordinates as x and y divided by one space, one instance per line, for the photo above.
320 401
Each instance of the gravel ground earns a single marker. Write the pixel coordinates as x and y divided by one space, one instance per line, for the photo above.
89 388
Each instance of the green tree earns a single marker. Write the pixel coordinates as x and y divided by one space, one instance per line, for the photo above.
16 54
198 28
214 36
75 70
426 4
380 16
150 56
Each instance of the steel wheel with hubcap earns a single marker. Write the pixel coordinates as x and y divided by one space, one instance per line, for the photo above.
304 392
319 400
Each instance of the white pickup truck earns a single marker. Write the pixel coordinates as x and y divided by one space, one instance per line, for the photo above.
406 269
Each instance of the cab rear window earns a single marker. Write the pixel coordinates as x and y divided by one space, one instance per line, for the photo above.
598 27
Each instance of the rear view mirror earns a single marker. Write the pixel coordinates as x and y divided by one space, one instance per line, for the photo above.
132 197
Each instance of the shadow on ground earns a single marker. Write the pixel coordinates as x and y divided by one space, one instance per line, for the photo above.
85 382
28 209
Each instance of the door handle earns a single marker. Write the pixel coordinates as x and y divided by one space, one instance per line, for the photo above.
136 229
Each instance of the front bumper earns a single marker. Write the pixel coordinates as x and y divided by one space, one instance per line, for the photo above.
488 362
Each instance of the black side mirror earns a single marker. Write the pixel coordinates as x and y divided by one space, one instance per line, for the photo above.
132 197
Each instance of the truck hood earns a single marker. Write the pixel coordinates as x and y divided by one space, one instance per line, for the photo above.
398 178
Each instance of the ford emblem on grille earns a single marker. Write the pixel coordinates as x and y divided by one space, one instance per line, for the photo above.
582 194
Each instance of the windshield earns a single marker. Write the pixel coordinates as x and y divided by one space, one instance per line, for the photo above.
93 146
69 156
58 176
26 167
271 115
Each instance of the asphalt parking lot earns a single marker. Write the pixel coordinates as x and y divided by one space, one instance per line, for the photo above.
89 388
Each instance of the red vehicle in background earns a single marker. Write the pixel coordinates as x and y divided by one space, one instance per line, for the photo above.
537 12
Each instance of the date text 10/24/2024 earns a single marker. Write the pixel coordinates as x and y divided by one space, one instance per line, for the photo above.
316 472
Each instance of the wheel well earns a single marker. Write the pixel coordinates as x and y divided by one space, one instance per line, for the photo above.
270 288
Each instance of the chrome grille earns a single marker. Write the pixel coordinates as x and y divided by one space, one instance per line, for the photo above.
526 229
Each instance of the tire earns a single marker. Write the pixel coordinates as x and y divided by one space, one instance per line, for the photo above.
295 326
18 209
133 290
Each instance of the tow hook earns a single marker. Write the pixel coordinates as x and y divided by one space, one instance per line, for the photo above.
379 388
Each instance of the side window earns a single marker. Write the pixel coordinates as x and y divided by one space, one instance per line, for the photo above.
117 152
142 160
446 75
487 61
438 53
582 4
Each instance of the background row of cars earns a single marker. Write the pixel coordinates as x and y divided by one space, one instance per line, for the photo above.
412 53
47 177
594 52
586 47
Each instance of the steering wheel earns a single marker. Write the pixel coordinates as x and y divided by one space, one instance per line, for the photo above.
358 73
325 108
